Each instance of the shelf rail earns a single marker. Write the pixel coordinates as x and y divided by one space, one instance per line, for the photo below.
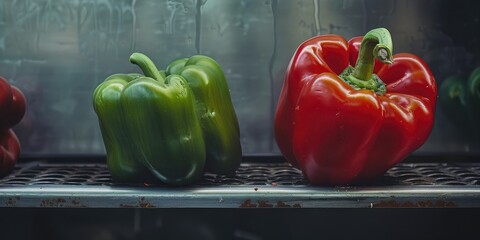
256 185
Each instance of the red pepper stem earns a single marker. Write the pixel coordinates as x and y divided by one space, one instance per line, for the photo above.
147 66
375 44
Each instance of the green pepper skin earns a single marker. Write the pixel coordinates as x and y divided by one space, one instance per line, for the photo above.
161 120
150 123
215 109
121 160
460 101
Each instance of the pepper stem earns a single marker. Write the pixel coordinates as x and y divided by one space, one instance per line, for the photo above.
147 66
377 43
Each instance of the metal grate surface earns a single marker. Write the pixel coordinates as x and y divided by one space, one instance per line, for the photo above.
248 174
256 185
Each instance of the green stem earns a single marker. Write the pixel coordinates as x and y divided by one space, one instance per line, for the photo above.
147 66
377 43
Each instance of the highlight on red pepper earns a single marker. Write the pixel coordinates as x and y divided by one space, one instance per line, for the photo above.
459 99
12 109
349 110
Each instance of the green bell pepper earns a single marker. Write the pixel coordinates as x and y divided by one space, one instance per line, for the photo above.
150 122
459 99
168 124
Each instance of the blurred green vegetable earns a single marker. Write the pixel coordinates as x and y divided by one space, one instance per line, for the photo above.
459 99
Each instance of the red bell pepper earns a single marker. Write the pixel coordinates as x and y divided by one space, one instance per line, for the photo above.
341 124
12 109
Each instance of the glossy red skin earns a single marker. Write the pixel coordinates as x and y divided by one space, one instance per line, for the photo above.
12 110
338 135
9 151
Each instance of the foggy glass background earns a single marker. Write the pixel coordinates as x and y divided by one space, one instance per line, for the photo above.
58 51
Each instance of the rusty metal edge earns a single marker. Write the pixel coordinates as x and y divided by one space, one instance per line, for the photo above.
58 196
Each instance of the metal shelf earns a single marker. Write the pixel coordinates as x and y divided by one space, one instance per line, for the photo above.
256 185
